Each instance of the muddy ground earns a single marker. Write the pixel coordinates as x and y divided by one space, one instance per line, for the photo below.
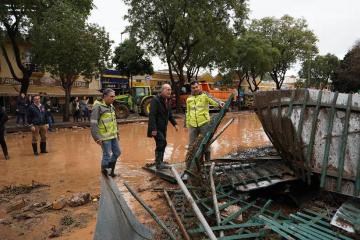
72 166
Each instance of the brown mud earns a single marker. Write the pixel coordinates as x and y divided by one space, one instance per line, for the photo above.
72 165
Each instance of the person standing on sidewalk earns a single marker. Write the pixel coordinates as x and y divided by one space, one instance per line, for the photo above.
3 120
85 113
76 109
104 131
50 117
21 105
160 114
38 121
197 113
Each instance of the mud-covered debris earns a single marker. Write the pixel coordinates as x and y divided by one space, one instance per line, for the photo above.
79 199
23 216
143 189
33 206
243 154
59 203
231 210
5 221
21 189
43 208
95 198
67 220
54 232
16 205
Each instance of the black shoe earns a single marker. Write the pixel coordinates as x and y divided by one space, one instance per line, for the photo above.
34 146
104 171
43 147
112 166
162 166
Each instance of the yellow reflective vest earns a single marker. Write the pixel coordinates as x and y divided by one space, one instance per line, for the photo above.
103 121
197 109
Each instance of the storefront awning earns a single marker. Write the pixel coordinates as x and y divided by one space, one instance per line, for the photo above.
11 90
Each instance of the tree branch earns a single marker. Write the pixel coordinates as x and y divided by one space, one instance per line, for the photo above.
9 64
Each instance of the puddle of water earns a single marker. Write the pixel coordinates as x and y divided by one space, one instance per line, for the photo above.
73 161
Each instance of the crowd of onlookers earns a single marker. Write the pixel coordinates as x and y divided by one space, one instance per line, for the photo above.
79 109
36 112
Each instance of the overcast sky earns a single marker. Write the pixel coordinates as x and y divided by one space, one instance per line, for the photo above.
335 23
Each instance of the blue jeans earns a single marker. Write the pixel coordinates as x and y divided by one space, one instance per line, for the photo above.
111 151
50 120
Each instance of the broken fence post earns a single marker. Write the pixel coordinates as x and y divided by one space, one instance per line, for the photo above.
150 211
221 131
213 191
196 209
177 218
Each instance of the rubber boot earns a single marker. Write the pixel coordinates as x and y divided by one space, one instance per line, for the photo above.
207 156
104 170
34 146
112 166
159 161
43 147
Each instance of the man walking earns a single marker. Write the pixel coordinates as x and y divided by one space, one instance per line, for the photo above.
197 113
105 132
160 114
38 121
3 120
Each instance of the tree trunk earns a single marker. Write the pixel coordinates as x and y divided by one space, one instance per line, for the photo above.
66 113
12 32
24 86
67 83
173 84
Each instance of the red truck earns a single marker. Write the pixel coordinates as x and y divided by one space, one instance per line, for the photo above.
205 87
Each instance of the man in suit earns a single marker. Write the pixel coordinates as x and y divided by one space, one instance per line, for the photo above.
159 116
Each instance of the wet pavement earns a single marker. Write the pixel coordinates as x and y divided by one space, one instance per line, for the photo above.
73 162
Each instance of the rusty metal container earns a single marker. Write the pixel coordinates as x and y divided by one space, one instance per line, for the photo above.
317 132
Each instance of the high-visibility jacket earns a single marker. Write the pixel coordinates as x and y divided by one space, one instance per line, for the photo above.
103 121
197 109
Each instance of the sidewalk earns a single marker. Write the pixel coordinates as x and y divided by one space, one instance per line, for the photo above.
12 127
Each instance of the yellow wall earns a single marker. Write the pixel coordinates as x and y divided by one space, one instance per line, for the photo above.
4 69
43 78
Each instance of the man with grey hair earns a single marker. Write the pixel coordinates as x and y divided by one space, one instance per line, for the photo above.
159 116
104 130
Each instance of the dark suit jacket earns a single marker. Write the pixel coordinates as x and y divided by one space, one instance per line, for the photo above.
160 114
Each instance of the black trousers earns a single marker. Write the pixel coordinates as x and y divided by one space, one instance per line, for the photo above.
160 141
2 142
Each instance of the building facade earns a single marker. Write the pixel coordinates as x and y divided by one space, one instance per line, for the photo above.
40 82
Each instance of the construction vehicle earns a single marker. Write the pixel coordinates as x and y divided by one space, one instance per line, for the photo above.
205 87
130 97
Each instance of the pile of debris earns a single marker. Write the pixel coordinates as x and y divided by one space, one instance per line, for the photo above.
245 195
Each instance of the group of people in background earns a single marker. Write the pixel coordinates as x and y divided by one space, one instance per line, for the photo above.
23 104
80 110
36 112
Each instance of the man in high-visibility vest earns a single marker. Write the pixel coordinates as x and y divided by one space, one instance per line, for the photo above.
197 113
104 130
